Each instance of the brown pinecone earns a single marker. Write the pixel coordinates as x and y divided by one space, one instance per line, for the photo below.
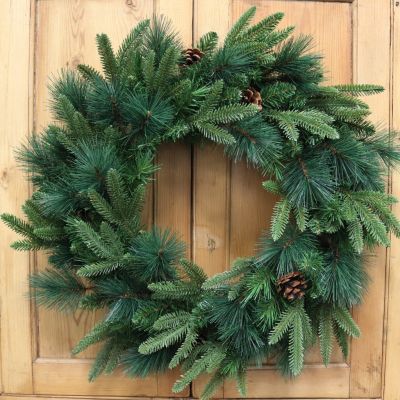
292 286
252 96
192 56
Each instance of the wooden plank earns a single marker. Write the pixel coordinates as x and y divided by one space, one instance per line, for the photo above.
315 381
329 23
173 184
80 22
16 397
211 175
211 181
66 32
173 181
392 348
371 65
330 1
250 206
251 210
211 169
322 22
69 378
16 33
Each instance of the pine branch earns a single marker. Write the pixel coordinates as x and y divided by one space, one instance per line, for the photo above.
185 349
99 332
208 42
359 89
131 41
344 319
107 57
60 289
240 25
325 333
265 26
280 218
163 339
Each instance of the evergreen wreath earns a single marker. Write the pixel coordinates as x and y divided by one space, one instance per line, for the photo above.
260 96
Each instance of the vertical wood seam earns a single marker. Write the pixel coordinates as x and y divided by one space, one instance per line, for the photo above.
389 190
367 365
354 79
33 257
390 187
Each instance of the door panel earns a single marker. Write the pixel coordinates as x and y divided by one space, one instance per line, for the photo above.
217 207
336 27
65 37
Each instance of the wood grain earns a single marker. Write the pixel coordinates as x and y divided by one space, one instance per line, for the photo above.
329 23
65 37
239 194
371 65
173 182
392 348
173 192
211 189
69 378
211 174
219 209
15 114
322 22
314 382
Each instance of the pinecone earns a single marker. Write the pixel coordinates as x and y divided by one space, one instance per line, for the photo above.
192 56
252 96
292 286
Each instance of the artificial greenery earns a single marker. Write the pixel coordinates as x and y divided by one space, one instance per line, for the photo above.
315 147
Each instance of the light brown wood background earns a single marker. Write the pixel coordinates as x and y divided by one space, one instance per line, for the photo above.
218 207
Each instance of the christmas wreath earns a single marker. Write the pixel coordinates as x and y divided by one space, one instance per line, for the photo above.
259 94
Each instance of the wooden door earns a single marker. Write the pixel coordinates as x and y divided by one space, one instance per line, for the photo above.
218 207
342 32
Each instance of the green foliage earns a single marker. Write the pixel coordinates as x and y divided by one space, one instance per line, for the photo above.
240 25
294 323
207 362
155 255
174 328
208 42
342 278
57 289
107 57
106 360
325 333
280 218
131 41
315 148
100 331
360 89
345 321
314 122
